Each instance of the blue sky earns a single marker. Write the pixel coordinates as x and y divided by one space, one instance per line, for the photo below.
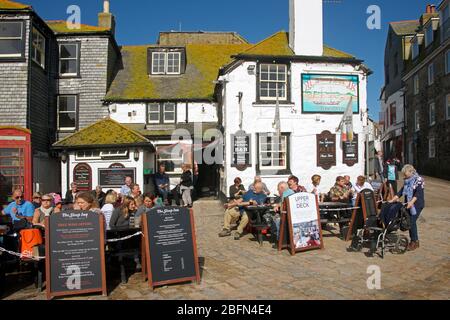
139 21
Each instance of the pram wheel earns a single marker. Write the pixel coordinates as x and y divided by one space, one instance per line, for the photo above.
401 246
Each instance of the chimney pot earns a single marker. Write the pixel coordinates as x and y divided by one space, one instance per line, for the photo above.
106 6
433 8
428 10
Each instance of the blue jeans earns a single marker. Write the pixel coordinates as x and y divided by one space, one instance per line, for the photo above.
413 233
164 193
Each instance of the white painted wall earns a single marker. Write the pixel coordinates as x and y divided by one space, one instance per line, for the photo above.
303 127
121 112
306 27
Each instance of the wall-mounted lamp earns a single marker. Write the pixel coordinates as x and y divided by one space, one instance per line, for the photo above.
136 155
251 69
64 157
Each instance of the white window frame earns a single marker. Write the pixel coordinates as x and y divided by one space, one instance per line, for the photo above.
285 82
15 55
432 148
77 59
35 50
417 121
76 112
429 38
114 154
432 113
430 74
158 53
284 140
416 84
154 112
179 62
166 112
91 156
177 158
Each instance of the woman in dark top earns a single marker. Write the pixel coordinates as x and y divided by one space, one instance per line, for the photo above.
413 190
186 185
124 215
237 189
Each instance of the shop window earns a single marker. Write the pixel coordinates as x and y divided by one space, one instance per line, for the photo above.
38 48
12 39
67 113
273 152
69 59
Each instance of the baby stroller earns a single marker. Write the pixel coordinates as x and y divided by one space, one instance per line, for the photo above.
380 233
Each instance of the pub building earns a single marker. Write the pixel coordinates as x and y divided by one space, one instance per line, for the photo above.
313 84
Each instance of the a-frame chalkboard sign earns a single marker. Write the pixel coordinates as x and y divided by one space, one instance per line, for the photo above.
170 246
300 227
75 253
366 207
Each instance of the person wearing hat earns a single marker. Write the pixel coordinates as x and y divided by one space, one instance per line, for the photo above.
57 202
45 210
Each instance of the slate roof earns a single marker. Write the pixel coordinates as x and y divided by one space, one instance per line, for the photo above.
403 28
105 132
12 5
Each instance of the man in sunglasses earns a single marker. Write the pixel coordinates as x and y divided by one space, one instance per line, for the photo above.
19 208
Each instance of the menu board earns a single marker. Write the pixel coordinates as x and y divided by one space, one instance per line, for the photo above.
115 177
350 151
75 253
366 207
241 150
171 249
326 150
82 176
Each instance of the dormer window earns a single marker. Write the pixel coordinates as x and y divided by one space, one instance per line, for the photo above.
166 61
429 35
415 49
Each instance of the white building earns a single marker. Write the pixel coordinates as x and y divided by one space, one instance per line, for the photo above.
314 84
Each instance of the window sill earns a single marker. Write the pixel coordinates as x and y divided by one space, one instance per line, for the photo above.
274 173
68 77
283 104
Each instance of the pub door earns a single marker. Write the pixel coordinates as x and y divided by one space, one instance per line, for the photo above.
15 163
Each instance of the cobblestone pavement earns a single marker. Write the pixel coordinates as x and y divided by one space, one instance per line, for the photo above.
244 270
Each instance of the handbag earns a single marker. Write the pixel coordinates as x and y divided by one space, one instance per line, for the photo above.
29 238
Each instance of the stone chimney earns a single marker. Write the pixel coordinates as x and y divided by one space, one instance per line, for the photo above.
306 27
106 19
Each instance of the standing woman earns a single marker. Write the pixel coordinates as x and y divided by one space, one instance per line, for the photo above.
413 190
186 185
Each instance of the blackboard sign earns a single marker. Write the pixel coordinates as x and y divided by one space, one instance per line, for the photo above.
170 246
241 150
75 253
326 150
303 223
350 152
82 176
366 207
115 178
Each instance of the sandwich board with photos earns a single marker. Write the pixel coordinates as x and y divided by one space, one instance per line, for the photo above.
300 227
170 246
75 253
365 207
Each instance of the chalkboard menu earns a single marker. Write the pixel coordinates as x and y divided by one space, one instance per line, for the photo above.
350 151
115 177
366 207
75 253
170 246
82 176
326 150
241 150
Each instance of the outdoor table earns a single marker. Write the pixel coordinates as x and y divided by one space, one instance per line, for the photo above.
125 248
256 214
335 212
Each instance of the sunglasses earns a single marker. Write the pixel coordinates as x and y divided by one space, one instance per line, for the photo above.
46 199
36 198
17 198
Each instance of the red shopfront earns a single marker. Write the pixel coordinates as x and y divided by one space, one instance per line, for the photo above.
15 163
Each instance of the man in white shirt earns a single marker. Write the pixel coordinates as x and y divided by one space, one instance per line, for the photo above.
360 185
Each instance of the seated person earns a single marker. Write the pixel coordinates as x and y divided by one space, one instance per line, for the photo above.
235 210
19 209
124 215
45 210
339 192
294 186
162 183
259 180
360 185
315 188
284 192
348 183
237 190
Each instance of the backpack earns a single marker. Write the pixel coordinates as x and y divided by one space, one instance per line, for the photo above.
405 220
29 238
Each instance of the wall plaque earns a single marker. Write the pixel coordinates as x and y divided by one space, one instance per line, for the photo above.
350 152
82 176
326 150
241 150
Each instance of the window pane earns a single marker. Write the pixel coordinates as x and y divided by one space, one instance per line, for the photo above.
68 67
153 117
173 62
10 47
11 29
154 107
169 107
158 63
67 104
67 120
69 51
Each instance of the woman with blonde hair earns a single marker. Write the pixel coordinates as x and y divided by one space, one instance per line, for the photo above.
108 207
45 210
413 191
121 216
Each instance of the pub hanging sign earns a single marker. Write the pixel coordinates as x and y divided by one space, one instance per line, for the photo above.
326 150
350 151
241 150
